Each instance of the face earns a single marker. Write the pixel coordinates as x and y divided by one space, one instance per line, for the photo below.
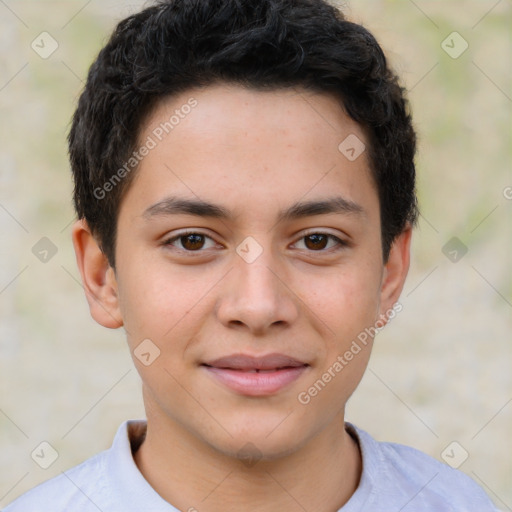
248 262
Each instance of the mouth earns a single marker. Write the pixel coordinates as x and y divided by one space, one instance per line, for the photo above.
256 376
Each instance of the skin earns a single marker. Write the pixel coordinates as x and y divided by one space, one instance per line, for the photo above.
300 299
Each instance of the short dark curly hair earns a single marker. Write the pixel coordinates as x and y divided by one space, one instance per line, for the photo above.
176 45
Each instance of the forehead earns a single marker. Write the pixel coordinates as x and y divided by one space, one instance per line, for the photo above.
226 142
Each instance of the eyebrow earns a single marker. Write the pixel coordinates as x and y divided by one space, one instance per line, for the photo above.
179 205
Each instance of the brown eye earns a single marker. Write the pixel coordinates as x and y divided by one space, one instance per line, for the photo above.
192 242
316 241
321 242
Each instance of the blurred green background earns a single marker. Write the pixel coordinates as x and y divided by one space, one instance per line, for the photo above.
440 372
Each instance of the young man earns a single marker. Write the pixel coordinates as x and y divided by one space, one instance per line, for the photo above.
244 184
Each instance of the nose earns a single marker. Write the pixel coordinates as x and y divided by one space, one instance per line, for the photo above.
256 296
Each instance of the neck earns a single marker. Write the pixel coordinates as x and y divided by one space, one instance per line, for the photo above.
193 476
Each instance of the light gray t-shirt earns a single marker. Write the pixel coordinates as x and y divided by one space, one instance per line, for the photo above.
395 478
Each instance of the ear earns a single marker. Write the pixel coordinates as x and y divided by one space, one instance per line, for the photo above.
98 277
395 272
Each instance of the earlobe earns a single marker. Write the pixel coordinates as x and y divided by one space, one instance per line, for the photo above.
395 272
98 277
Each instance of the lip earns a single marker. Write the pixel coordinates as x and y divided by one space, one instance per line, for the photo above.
256 376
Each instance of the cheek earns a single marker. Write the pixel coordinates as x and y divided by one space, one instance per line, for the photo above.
348 305
165 303
347 301
152 301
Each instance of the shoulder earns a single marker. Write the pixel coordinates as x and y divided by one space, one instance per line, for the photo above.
93 485
108 481
69 491
405 476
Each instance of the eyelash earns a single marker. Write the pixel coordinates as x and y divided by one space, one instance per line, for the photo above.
340 243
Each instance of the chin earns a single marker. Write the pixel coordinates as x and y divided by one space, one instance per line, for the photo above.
260 440
252 450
